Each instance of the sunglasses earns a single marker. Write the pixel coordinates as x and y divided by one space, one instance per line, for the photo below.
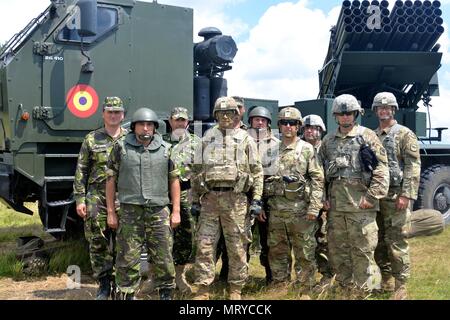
347 113
288 122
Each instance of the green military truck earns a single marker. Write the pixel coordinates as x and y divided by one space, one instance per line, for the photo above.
55 73
375 49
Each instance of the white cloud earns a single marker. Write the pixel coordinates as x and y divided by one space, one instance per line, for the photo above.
15 15
283 53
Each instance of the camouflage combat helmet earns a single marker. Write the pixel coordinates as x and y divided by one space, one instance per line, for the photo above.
144 114
290 113
113 104
345 103
179 113
225 104
258 111
314 120
384 99
239 101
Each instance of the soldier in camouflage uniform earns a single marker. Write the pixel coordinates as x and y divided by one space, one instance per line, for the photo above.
353 192
226 167
295 197
221 247
141 167
312 130
268 145
89 191
183 147
394 217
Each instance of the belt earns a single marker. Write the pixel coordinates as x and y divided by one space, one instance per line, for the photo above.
222 189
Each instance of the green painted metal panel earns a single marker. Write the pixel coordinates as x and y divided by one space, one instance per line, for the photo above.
272 105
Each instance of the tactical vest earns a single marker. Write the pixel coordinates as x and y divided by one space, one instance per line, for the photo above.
221 157
144 172
345 161
395 165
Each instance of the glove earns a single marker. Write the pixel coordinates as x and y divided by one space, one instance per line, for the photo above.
290 179
255 208
368 158
195 210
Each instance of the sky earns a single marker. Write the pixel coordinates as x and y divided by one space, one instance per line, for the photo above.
282 44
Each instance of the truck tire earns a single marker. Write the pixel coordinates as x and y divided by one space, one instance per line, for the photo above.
434 190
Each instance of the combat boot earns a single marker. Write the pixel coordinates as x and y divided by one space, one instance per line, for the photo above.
180 279
400 292
387 282
235 293
202 293
307 280
104 288
165 294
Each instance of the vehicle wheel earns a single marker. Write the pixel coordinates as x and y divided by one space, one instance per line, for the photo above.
434 190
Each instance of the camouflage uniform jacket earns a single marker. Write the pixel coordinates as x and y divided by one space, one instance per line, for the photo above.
244 155
183 152
92 161
344 193
298 160
268 149
408 155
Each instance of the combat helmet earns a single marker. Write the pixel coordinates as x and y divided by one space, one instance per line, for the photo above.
239 101
144 114
113 104
384 99
346 103
314 120
290 113
225 104
258 111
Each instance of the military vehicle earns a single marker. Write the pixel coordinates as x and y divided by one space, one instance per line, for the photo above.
55 73
375 49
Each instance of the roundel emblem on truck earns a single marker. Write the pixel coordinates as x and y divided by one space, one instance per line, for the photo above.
82 100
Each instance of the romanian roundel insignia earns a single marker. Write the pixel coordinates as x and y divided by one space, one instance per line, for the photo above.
82 101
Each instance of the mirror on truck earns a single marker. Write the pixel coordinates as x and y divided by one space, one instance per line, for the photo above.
88 18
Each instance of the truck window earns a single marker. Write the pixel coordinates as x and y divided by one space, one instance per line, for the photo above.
107 19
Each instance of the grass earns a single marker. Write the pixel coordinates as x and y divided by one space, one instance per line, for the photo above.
15 224
430 270
10 267
74 253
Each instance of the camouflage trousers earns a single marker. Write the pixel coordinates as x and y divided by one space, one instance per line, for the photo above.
352 239
322 253
392 252
224 211
183 237
292 230
143 226
101 239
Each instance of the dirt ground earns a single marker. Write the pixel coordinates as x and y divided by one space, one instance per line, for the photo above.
46 288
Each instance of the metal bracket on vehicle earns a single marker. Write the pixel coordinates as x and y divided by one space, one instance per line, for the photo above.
44 48
43 113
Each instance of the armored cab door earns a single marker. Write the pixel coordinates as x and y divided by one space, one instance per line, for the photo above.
79 73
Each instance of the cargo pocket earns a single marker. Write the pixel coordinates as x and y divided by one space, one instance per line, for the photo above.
369 239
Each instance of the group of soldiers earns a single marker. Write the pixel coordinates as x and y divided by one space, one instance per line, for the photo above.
339 205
